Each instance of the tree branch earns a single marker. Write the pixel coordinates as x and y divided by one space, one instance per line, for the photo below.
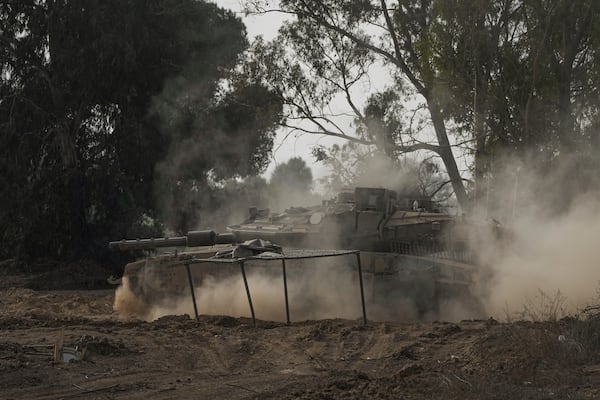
327 132
390 28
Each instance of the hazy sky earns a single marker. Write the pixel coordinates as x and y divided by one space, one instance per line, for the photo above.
293 146
301 145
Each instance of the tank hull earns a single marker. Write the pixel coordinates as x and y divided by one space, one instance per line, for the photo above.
412 257
397 287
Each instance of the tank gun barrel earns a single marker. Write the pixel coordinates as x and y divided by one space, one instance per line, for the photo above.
192 239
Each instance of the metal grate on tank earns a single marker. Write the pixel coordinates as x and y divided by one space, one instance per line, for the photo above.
434 250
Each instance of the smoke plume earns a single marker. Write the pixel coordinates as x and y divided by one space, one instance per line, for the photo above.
547 256
317 289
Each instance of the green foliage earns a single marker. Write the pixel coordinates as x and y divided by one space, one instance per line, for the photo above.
382 122
523 77
292 175
330 51
515 81
219 204
352 165
94 95
291 185
232 137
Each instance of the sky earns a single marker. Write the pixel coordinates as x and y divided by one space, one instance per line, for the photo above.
300 145
294 145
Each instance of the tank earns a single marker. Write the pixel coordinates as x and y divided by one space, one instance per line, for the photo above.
411 253
159 277
367 219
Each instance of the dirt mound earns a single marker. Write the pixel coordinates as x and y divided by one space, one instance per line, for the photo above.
178 357
81 275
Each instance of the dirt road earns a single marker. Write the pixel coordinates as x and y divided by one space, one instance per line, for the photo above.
227 358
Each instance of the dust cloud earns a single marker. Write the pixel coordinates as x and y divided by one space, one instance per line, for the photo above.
382 172
548 254
549 259
127 302
317 289
548 265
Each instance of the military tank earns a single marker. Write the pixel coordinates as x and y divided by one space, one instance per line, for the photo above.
410 252
159 276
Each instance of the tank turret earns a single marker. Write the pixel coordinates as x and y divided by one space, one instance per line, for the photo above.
367 219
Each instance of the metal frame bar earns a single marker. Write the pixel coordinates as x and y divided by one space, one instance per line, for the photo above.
191 282
241 261
274 258
362 291
285 292
248 293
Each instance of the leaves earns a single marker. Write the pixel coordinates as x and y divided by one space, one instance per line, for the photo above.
508 78
97 96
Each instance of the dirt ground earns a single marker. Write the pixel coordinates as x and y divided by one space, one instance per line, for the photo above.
227 358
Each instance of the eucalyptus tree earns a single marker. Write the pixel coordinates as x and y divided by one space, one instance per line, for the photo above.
504 79
94 94
329 47
525 84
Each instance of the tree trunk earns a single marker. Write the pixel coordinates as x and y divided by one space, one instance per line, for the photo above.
567 141
479 202
481 166
445 153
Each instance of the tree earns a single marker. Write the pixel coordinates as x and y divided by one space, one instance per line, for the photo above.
354 165
331 45
506 78
93 95
226 138
524 87
291 184
224 203
293 174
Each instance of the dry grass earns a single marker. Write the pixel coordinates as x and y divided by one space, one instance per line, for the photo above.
585 332
544 307
563 337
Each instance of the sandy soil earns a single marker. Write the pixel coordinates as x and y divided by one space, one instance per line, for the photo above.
227 358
